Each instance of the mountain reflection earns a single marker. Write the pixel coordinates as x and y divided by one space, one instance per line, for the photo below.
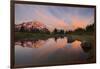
59 42
51 50
30 43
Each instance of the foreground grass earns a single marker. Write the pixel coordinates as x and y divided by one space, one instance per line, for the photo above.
83 37
28 35
25 35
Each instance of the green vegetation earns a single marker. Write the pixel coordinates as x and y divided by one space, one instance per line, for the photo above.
88 31
30 35
80 34
86 36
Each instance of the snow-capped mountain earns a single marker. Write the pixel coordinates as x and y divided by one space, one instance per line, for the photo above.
31 26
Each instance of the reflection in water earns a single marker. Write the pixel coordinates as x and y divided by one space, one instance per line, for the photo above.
87 46
50 51
30 43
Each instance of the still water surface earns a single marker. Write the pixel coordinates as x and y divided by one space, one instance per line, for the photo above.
49 51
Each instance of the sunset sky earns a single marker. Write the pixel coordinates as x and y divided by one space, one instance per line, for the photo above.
60 17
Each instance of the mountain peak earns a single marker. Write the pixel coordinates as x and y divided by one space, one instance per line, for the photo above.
31 25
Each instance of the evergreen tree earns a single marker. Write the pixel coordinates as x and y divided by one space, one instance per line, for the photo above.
55 31
22 29
61 32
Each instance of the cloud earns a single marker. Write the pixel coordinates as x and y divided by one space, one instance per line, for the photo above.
67 18
80 22
50 21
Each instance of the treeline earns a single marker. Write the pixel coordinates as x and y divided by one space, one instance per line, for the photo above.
32 30
88 30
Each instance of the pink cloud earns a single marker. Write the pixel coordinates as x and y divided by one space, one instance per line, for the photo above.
79 22
53 22
50 21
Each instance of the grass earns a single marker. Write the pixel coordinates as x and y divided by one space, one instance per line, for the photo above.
83 37
29 35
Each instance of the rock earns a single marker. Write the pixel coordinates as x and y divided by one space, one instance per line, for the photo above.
87 46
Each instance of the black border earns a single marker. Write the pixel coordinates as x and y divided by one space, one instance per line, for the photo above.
12 8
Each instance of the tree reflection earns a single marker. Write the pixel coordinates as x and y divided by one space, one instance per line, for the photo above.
58 41
86 46
39 43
